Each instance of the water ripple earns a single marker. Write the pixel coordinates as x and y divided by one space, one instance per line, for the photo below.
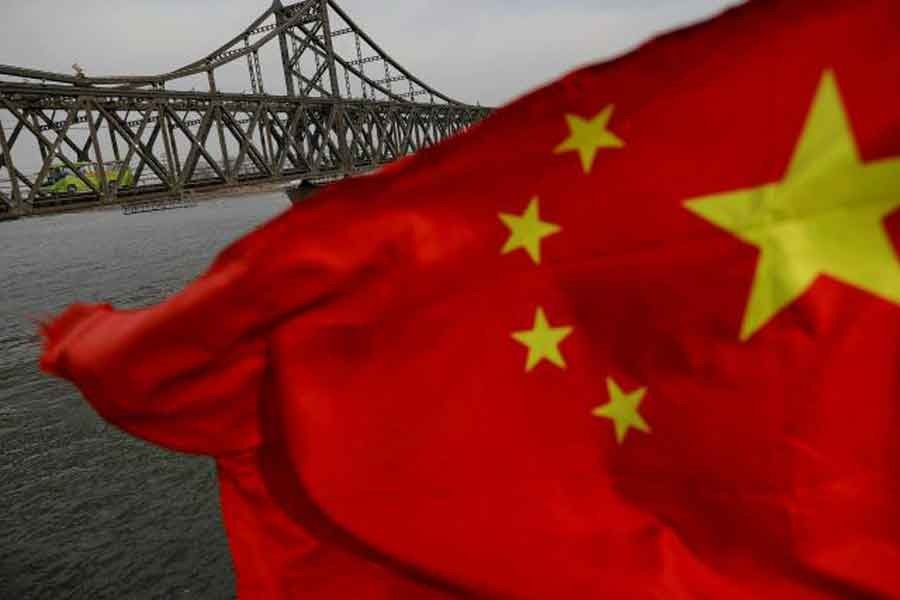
87 512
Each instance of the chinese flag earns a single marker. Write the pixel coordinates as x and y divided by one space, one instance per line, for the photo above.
635 336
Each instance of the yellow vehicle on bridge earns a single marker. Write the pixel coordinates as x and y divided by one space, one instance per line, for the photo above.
61 179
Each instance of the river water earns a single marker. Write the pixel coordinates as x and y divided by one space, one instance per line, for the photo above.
87 512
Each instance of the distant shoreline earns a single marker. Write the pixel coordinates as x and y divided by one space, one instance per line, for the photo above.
202 196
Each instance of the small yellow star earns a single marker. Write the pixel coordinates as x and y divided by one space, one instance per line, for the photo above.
527 231
588 136
622 410
543 342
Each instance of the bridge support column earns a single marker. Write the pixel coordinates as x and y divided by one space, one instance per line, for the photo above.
340 118
98 154
165 127
37 125
114 141
226 161
278 9
17 207
217 115
266 139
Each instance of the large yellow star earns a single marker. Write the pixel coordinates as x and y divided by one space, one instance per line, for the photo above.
588 136
826 217
622 410
527 231
543 342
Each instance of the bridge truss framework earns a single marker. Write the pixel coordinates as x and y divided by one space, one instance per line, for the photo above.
344 108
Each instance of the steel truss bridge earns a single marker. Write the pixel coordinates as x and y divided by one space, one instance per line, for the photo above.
337 105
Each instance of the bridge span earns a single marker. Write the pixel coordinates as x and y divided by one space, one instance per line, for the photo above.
321 101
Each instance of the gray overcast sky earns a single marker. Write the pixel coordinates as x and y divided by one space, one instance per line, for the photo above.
474 50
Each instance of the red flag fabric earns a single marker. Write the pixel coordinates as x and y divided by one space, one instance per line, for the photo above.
635 336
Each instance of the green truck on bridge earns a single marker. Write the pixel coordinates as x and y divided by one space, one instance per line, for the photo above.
61 179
